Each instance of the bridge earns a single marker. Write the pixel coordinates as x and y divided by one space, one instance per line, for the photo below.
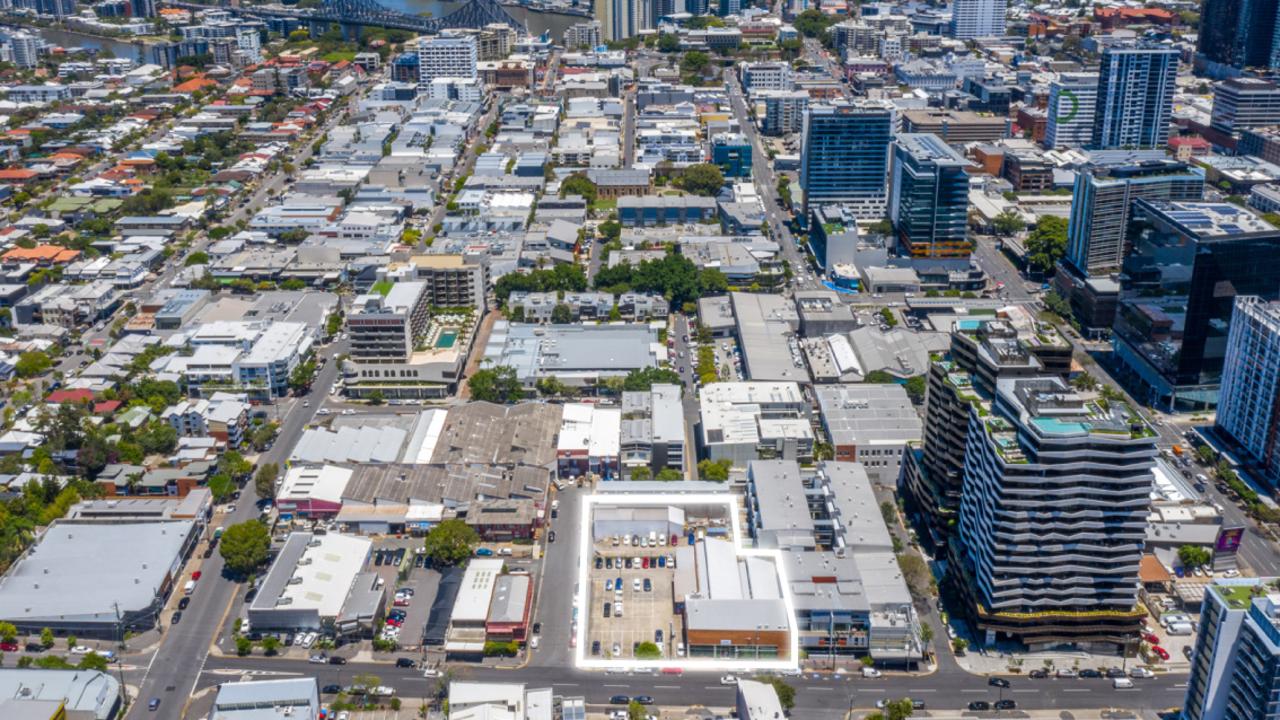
350 15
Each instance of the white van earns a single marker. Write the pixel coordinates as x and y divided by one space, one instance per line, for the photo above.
1122 683
189 588
1179 628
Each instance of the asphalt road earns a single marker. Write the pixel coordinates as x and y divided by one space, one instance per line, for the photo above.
185 646
766 186
827 698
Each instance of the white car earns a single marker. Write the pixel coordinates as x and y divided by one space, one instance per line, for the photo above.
81 650
318 659
1141 672
868 672
728 680
382 691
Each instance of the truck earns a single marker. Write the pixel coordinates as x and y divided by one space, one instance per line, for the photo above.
189 588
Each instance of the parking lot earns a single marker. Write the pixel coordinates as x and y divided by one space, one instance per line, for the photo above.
424 582
645 611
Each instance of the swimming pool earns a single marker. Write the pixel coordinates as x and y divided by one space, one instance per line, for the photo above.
447 338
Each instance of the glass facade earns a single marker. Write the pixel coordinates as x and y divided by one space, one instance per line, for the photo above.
1238 33
845 156
1188 263
929 198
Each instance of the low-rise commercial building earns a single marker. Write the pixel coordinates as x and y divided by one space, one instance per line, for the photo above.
97 579
318 582
745 421
870 424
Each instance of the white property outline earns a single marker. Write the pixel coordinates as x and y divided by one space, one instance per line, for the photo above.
586 552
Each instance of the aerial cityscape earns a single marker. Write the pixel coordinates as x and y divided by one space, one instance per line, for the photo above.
639 360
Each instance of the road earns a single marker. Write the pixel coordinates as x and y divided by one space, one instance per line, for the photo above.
686 362
557 583
827 698
185 646
766 185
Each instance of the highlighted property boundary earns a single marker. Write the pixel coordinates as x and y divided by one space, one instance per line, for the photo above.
586 552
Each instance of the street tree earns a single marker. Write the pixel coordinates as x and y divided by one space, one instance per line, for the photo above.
244 546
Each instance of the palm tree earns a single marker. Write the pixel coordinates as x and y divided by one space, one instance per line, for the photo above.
926 634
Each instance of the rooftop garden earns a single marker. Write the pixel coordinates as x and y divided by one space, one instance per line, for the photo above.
1237 597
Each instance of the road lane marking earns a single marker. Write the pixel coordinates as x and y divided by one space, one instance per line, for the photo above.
923 690
617 686
982 692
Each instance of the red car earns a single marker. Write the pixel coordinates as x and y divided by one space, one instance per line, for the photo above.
644 563
195 575
1151 638
9 646
674 539
394 622
1164 654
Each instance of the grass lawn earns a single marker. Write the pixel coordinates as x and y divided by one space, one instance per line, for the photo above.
604 204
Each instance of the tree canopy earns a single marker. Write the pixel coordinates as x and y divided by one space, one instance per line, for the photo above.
450 542
675 277
703 179
645 378
497 385
1047 243
244 546
578 184
561 278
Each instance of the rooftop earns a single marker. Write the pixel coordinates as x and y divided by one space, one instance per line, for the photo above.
861 414
78 572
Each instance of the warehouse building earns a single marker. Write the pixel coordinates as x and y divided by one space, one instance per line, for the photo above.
292 697
870 424
96 579
733 605
317 582
468 626
70 694
664 520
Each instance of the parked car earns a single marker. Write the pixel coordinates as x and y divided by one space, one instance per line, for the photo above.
620 700
998 682
1090 673
318 660
644 699
1006 705
9 646
595 647
728 680
183 603
979 705
404 662
1141 673
869 672
335 660
1066 673
648 586
1164 654
1038 674
331 689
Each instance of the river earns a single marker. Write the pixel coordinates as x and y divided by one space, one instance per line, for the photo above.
537 22
67 39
